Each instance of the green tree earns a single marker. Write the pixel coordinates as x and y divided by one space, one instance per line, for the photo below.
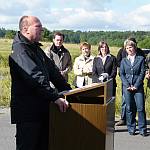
83 37
10 34
2 32
145 43
46 35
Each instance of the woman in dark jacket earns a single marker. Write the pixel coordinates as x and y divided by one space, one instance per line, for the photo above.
104 64
132 72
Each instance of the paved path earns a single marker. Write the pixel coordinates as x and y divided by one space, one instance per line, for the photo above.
122 140
7 131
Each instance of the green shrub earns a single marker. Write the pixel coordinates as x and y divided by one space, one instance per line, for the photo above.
4 87
3 61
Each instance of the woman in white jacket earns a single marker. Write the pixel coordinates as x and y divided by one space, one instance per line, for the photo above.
83 66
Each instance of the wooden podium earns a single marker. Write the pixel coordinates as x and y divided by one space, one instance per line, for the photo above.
89 122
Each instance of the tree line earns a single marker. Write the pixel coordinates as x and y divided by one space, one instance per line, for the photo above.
113 38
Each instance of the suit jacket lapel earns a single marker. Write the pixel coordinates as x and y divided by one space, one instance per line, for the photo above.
107 60
136 60
127 61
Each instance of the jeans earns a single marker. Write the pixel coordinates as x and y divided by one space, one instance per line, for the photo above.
123 108
135 101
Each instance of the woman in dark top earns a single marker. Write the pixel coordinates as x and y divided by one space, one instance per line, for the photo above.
132 72
104 64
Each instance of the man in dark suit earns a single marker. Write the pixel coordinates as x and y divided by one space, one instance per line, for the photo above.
31 73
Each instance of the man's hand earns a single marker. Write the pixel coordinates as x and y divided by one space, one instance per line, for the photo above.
62 104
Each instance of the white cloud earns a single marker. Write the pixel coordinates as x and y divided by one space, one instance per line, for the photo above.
12 10
34 4
94 4
142 15
81 19
137 19
84 15
86 4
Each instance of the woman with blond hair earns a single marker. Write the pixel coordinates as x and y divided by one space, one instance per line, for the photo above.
132 72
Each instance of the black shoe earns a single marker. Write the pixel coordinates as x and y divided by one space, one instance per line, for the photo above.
132 133
120 123
144 134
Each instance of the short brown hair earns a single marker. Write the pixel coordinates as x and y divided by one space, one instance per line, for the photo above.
59 34
85 44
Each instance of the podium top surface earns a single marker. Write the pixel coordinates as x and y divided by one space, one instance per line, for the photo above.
86 88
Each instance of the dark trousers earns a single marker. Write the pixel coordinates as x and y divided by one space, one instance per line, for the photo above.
32 136
123 108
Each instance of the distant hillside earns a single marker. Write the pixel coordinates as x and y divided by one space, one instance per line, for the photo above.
114 38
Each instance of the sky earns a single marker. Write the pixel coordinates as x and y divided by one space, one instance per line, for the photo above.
83 15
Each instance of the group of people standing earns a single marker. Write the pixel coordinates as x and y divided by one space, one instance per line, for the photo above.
38 78
132 70
89 69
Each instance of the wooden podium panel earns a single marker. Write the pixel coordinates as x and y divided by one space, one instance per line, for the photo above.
85 126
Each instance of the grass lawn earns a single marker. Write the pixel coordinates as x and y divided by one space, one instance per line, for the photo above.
5 50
